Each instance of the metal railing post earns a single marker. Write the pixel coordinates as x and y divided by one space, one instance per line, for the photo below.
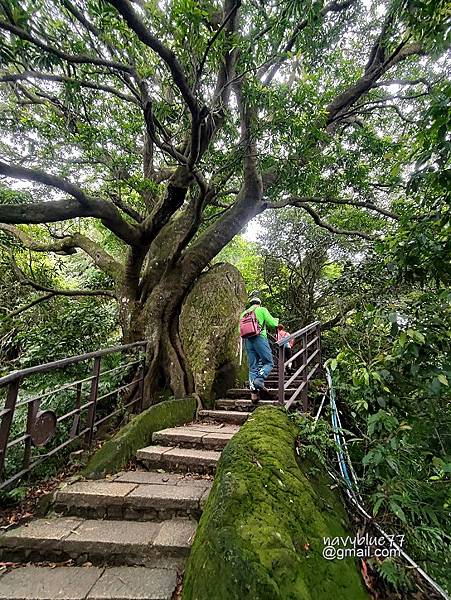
7 418
281 371
33 408
91 416
320 360
141 383
304 393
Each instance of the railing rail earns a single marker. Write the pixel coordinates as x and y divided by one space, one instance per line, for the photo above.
306 361
41 426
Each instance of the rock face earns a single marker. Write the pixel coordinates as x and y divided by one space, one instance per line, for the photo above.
261 533
209 331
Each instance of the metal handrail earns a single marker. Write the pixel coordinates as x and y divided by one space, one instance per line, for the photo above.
64 362
310 352
41 425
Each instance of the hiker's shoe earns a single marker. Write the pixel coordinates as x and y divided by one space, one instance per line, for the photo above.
254 397
259 384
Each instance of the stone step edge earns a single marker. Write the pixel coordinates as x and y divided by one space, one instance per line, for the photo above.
224 415
193 440
179 459
98 540
89 583
89 499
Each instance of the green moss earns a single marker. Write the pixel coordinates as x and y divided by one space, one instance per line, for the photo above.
115 453
261 534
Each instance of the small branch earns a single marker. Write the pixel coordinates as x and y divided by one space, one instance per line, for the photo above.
417 81
128 13
275 64
317 219
62 246
13 77
294 200
24 280
70 58
339 317
128 210
72 293
22 309
210 43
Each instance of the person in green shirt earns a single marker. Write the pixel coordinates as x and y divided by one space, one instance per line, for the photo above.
258 350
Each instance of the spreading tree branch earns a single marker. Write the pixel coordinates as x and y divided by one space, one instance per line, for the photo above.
230 14
377 66
62 210
24 280
68 245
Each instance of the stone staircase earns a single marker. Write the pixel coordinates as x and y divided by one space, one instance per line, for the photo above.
127 536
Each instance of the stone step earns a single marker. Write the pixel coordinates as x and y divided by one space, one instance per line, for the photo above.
88 583
179 459
226 416
197 435
241 404
157 499
241 393
100 542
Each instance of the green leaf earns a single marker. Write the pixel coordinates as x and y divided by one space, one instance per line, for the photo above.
397 510
377 505
443 379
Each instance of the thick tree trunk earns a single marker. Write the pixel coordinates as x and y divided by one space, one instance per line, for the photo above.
156 320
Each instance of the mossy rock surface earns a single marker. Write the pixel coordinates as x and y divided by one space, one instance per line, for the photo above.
116 452
261 534
209 331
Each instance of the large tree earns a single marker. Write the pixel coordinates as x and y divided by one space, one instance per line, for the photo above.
169 125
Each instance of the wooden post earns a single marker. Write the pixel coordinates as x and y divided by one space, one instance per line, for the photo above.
91 417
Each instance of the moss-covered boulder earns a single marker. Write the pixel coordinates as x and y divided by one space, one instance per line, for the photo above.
116 452
261 534
209 331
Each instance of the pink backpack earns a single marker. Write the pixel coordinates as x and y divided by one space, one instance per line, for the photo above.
249 325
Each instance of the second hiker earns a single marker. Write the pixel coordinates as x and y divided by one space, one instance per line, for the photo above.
253 323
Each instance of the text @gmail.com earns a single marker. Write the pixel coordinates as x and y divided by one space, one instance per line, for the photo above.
366 546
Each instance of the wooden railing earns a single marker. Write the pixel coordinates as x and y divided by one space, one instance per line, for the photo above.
27 426
305 360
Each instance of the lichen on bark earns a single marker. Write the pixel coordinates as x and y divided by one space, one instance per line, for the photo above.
261 534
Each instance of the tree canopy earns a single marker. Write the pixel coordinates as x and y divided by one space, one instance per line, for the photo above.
148 134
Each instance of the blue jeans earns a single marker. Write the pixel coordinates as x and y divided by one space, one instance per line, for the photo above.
259 357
